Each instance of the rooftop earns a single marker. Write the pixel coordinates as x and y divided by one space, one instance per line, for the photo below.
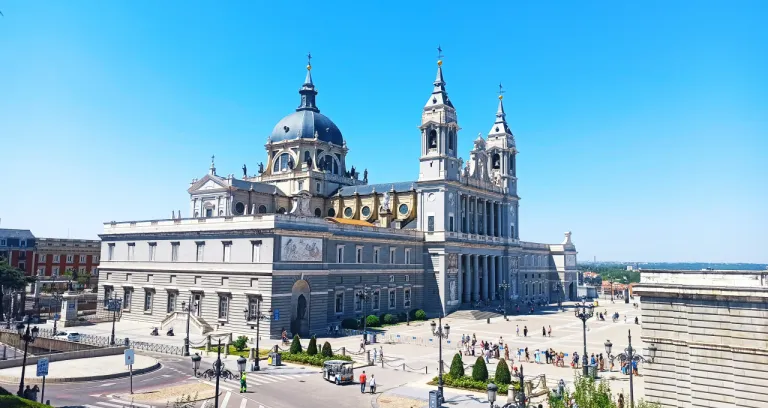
16 233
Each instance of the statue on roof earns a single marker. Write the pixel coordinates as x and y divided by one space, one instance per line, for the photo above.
261 168
365 175
385 202
245 171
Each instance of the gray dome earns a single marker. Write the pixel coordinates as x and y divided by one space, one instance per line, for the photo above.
303 124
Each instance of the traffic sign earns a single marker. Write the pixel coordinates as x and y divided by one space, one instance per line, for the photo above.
42 367
277 314
114 305
56 317
128 357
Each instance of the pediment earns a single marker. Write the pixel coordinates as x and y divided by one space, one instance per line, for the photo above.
207 183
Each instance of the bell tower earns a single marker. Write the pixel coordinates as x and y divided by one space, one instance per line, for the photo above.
439 133
501 150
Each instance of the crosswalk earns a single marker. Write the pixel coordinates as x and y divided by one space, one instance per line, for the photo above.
264 379
113 403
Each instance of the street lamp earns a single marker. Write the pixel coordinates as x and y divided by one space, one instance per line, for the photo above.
631 357
441 332
196 363
583 312
611 290
27 336
559 296
257 318
652 353
504 286
241 365
364 295
187 307
492 389
114 305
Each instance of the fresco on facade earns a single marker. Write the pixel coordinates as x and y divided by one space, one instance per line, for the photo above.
301 249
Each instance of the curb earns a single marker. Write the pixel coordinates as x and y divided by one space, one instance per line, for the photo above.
36 380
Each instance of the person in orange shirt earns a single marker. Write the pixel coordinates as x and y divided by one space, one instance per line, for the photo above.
363 381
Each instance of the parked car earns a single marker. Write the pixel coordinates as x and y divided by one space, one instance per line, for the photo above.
71 336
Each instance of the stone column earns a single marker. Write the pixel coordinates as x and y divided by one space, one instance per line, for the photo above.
492 219
467 275
459 277
493 277
486 280
475 278
465 220
474 215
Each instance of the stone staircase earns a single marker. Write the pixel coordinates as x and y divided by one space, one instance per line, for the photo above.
179 320
473 315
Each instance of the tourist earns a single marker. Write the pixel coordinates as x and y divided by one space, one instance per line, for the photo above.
525 331
636 320
362 346
363 381
372 384
517 330
543 331
375 352
592 360
621 401
381 353
506 352
527 355
549 332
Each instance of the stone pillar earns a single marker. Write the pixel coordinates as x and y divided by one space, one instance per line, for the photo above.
492 283
476 278
465 220
467 275
460 278
486 280
474 215
492 220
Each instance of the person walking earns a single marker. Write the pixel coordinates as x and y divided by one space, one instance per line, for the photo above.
375 353
527 355
549 332
381 353
372 385
517 330
543 331
621 401
506 352
362 346
363 381
243 384
525 331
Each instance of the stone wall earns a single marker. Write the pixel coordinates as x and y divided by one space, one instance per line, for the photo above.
712 342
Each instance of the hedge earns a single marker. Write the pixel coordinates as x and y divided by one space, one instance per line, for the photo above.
468 383
12 401
316 360
480 370
349 323
326 350
312 347
296 345
390 319
457 366
372 321
502 373
420 315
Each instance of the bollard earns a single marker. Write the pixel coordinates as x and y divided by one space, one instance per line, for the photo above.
403 366
368 356
382 361
208 343
426 370
488 320
343 351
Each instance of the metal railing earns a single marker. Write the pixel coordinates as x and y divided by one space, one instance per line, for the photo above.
156 348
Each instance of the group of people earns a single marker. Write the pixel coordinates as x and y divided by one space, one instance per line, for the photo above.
370 382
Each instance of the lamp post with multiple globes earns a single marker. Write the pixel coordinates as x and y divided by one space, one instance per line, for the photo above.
441 332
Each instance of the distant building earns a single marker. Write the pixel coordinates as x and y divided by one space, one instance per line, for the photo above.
710 329
17 247
630 268
57 255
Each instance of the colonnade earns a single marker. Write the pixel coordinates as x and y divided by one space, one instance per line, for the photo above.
481 216
479 277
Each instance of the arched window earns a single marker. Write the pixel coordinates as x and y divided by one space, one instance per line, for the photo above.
281 210
451 143
512 164
432 140
331 212
239 208
262 209
281 163
318 212
496 161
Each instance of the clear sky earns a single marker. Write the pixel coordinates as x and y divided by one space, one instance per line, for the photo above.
642 127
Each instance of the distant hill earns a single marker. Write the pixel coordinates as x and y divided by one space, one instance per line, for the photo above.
695 266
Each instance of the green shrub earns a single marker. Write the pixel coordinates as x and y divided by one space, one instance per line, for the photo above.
373 321
390 319
502 373
469 384
457 366
402 317
420 315
326 351
312 347
241 343
480 371
316 360
350 323
296 345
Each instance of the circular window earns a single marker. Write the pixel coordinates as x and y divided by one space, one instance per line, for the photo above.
403 209
331 212
366 211
318 212
348 212
431 196
239 208
262 209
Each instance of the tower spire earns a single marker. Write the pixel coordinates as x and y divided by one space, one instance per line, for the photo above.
439 94
307 91
500 125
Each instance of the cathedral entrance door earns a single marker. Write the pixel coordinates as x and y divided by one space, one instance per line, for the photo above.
300 295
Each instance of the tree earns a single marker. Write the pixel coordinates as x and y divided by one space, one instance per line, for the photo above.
502 373
240 343
11 279
295 345
589 393
326 351
457 366
480 371
312 347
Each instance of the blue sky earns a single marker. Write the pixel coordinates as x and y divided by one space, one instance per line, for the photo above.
642 128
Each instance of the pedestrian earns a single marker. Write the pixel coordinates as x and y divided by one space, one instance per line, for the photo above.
549 332
636 320
363 381
517 330
625 319
487 356
527 355
375 353
506 352
372 384
381 353
362 346
543 331
525 331
621 401
243 384
501 341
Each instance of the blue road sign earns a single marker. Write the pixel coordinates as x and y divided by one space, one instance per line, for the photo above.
42 367
277 314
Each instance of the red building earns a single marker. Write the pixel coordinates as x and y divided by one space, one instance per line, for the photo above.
54 256
17 247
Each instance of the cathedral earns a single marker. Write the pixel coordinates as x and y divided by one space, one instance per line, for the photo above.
308 242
